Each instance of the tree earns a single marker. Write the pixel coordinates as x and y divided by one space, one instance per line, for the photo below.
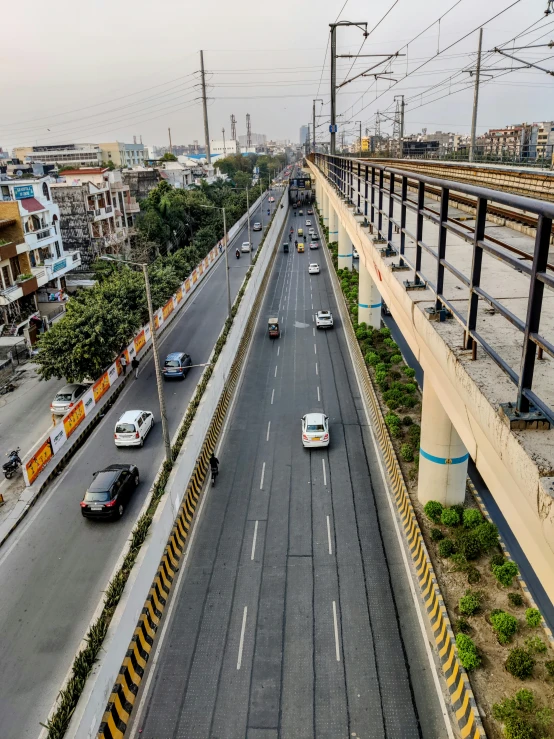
242 179
168 157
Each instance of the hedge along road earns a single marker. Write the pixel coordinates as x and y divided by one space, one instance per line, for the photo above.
54 569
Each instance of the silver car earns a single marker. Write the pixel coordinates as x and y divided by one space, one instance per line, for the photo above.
323 319
66 398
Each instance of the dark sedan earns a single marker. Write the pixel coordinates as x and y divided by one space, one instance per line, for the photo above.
110 491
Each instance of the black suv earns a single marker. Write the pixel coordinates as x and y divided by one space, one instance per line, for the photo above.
109 492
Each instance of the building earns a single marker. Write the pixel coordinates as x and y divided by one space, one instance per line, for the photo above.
33 260
304 134
124 155
176 174
96 212
506 142
78 155
140 180
415 148
540 141
256 139
225 147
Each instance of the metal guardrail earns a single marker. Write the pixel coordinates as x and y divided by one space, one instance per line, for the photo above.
363 185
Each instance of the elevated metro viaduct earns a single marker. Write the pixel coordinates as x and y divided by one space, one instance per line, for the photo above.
476 315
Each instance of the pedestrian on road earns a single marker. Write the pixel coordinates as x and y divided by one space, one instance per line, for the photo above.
135 366
220 247
123 363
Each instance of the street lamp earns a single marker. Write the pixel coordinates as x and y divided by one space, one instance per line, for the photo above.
159 379
248 215
216 207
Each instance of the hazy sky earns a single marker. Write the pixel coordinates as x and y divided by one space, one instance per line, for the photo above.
103 70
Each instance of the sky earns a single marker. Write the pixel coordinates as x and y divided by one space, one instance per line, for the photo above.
107 70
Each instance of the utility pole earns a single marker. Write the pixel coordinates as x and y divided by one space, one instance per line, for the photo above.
159 379
205 109
317 100
360 136
248 132
248 216
333 27
170 146
224 150
233 127
475 100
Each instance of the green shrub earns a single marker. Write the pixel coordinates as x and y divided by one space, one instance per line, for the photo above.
396 359
450 517
505 573
543 717
372 359
407 421
473 575
550 667
497 559
436 534
459 562
523 700
516 599
390 343
487 533
408 371
504 624
433 509
467 652
535 645
407 452
468 544
446 548
410 401
470 603
459 510
385 332
414 434
472 518
410 387
519 727
520 663
381 367
462 626
533 617
416 460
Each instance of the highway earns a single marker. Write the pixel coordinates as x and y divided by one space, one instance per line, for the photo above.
293 615
55 567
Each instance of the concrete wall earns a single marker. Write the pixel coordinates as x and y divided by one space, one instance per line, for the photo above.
514 475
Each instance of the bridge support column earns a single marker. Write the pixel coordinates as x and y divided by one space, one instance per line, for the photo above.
333 224
369 299
443 456
325 207
345 249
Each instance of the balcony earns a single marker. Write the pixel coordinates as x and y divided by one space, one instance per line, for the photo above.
8 249
131 206
36 238
61 265
99 213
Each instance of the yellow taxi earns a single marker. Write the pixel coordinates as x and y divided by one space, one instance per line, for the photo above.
300 247
301 232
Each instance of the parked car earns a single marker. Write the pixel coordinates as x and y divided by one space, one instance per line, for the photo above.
245 246
323 319
66 398
257 226
315 430
313 269
110 490
176 365
132 428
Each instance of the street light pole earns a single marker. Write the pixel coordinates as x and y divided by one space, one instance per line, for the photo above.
216 207
248 212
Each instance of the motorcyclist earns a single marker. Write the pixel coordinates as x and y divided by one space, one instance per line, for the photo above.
296 243
214 466
304 238
237 253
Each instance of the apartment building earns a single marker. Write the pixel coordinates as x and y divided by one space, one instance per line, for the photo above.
96 212
124 155
510 140
78 155
32 252
224 147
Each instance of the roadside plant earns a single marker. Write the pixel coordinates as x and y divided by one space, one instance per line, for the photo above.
520 663
472 518
473 575
450 517
436 534
433 509
468 544
467 652
516 599
535 645
504 624
407 421
396 359
446 548
459 562
550 667
372 359
487 533
505 573
462 625
497 559
533 617
407 452
470 603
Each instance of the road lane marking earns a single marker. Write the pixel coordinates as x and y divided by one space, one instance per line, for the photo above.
278 348
328 534
256 536
275 375
324 473
316 370
313 329
272 395
337 650
312 306
268 427
315 349
263 473
241 643
318 399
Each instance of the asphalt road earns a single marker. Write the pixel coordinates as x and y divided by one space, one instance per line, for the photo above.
54 569
293 616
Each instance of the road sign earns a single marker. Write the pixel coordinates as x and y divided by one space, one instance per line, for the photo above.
333 129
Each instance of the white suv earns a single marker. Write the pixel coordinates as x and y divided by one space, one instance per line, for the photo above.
132 428
315 429
323 319
245 246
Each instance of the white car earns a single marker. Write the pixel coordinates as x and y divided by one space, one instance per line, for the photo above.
271 199
308 223
313 269
312 231
315 429
355 254
323 319
314 245
257 226
245 246
133 428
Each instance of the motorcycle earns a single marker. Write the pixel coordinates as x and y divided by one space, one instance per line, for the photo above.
14 461
237 254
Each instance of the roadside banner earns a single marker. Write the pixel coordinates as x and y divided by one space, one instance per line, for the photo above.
57 438
147 332
88 401
179 294
74 418
140 341
195 276
100 387
131 350
167 310
113 372
187 285
38 461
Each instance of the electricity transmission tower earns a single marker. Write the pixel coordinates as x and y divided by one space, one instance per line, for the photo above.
248 132
233 127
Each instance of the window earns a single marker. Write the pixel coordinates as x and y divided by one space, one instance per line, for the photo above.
45 191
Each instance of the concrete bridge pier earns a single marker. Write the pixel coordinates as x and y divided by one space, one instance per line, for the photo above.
325 207
369 299
333 224
345 248
442 456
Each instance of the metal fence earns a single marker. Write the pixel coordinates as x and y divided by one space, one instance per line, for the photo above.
363 185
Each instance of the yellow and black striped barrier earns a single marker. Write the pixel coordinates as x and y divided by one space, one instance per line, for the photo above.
461 694
118 711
